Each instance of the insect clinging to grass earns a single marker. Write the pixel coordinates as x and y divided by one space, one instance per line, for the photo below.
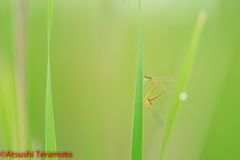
147 101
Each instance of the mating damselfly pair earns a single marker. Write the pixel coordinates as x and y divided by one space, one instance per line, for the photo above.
147 101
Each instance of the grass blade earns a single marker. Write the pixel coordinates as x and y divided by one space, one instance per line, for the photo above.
50 131
4 114
181 82
137 132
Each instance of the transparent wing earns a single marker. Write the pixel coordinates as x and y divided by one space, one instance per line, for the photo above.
157 118
165 88
166 79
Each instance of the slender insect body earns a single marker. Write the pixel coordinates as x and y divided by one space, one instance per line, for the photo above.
148 100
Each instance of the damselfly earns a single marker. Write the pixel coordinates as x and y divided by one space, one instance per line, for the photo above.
147 101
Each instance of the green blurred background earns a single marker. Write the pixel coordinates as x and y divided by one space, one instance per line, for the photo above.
93 66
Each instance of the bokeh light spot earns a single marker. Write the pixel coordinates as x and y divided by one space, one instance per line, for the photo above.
183 96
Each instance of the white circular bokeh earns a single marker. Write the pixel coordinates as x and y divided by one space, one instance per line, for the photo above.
183 96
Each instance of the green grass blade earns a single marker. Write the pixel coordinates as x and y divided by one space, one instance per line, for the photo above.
137 132
181 82
50 131
6 124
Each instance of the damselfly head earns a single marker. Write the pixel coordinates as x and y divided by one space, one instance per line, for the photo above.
147 77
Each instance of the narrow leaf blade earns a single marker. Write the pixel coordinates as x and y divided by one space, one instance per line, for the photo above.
50 130
137 132
181 82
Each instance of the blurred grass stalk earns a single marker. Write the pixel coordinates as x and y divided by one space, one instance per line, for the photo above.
181 83
137 131
50 130
7 113
20 68
12 86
